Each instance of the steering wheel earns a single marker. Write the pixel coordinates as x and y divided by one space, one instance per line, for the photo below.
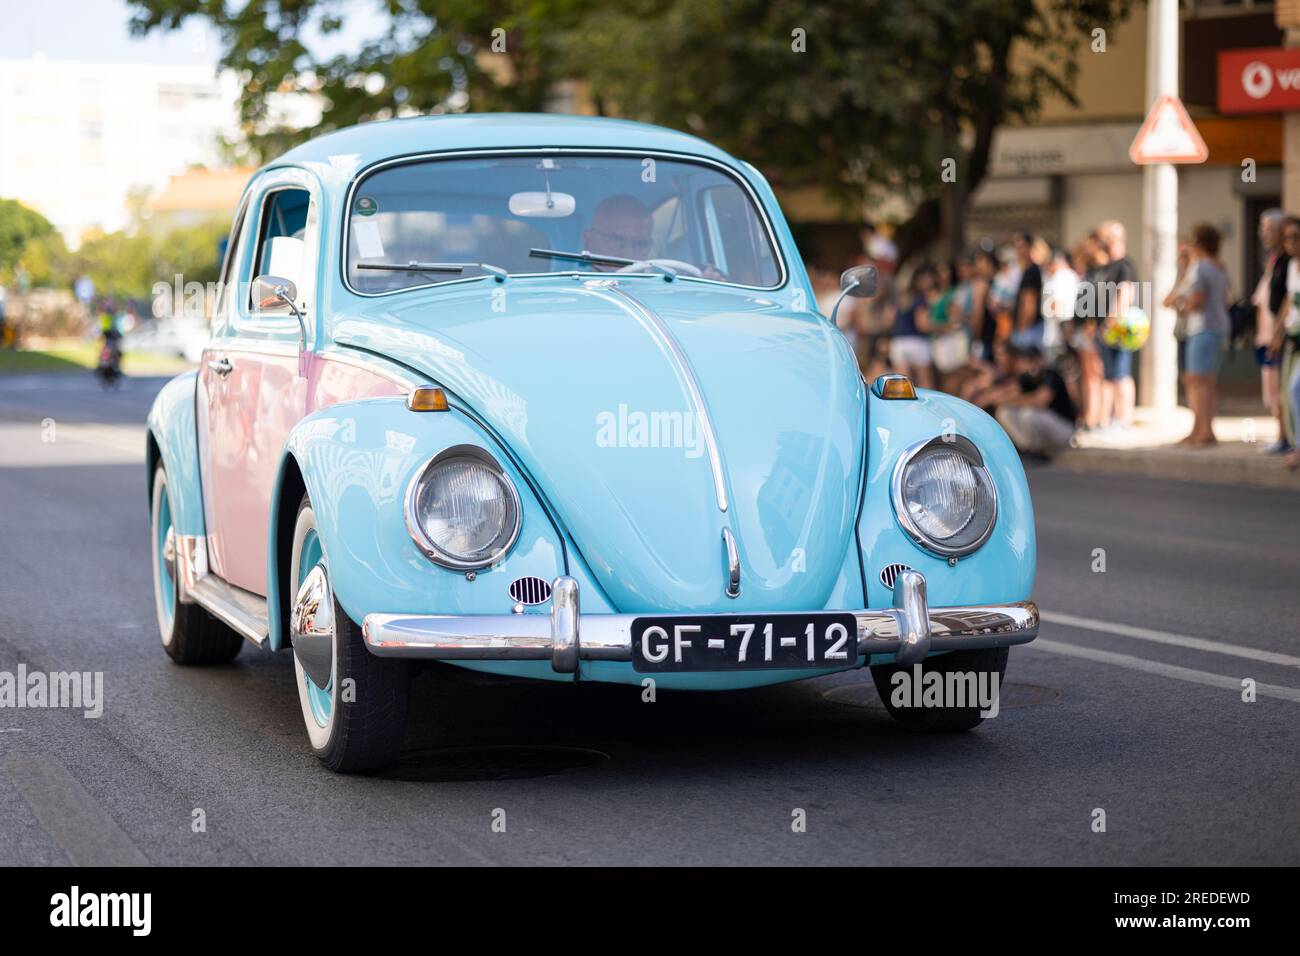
685 268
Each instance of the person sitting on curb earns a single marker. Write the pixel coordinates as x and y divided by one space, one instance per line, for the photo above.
1035 408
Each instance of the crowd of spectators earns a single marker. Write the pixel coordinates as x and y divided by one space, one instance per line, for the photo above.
1041 336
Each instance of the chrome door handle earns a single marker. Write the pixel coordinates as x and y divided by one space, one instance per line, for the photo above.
221 366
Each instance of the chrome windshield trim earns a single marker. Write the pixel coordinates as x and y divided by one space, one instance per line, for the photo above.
610 290
730 171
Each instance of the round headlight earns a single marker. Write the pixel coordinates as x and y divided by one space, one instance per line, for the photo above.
462 510
944 496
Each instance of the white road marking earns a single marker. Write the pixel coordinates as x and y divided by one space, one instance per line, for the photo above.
25 446
1166 670
1165 637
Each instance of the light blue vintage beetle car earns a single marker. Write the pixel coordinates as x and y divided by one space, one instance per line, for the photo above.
550 396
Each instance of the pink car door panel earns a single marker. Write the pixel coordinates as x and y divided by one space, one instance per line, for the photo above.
251 392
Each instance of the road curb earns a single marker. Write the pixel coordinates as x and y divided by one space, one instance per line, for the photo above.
1176 464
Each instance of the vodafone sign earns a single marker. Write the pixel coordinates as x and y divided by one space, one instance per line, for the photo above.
1265 80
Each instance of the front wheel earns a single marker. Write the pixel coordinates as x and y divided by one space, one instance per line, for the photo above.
964 684
353 703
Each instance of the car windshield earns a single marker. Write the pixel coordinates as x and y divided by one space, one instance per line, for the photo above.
443 220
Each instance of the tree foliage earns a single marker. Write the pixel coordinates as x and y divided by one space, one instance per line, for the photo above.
19 226
866 99
126 264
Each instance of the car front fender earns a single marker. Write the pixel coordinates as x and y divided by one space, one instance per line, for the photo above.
1002 570
172 429
355 461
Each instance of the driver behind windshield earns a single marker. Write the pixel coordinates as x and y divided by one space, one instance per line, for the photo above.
620 226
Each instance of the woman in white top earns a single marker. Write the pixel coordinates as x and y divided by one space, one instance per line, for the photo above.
1286 337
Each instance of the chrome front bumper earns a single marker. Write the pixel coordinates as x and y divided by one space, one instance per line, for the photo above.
910 630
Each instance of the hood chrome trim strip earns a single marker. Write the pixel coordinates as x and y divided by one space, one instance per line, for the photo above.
733 564
688 373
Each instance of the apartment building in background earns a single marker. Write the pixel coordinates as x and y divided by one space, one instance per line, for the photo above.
79 140
1070 169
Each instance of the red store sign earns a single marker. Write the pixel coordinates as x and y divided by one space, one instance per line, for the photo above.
1265 80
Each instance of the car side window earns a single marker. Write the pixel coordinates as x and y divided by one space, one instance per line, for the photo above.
282 239
735 237
230 268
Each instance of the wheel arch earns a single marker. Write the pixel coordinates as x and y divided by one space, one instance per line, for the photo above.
285 499
173 440
355 460
152 456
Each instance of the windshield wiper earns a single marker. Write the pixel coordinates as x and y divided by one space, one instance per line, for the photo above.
598 259
583 256
450 267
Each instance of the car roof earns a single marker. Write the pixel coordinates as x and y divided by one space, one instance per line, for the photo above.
371 142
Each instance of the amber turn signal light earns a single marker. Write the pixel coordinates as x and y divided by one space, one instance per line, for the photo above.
893 387
427 398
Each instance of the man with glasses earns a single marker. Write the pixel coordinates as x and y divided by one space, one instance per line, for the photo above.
621 226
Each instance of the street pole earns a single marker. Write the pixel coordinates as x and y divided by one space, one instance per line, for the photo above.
1287 15
1159 382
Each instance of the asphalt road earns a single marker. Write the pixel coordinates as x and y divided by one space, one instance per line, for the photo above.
1130 703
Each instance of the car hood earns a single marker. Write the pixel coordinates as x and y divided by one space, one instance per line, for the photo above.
607 391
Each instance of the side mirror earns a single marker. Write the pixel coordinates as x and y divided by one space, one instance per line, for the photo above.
859 282
275 296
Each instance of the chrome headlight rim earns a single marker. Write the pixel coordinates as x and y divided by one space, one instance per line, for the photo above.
438 555
967 449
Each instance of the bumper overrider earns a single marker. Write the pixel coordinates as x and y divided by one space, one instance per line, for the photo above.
910 630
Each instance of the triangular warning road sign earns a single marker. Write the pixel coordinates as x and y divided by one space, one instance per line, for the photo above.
1168 136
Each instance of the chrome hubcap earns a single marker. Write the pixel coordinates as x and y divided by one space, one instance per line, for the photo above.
169 550
311 626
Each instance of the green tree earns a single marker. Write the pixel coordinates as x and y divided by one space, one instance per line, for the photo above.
435 56
19 226
869 99
48 261
119 263
190 251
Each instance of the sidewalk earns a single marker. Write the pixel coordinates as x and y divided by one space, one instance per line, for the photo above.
1149 449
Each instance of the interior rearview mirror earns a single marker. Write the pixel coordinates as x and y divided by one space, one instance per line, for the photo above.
542 205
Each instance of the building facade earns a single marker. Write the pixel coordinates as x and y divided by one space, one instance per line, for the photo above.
1070 169
79 140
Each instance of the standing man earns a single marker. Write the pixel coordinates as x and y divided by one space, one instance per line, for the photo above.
1027 316
1269 299
1116 292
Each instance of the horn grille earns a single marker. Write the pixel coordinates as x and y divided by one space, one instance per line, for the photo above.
890 572
530 590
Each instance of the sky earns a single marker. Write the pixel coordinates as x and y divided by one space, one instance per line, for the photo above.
98 30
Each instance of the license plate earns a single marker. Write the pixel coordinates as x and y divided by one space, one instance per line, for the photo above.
743 642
